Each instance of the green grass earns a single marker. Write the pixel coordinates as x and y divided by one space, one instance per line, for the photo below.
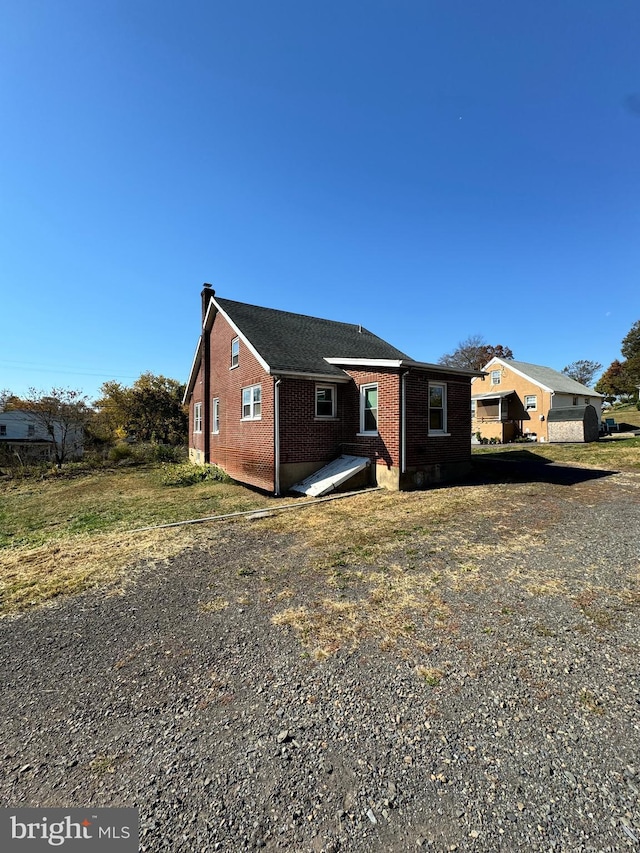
111 501
65 533
619 454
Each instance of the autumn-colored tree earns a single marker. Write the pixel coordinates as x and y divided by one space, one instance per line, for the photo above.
150 410
622 378
473 353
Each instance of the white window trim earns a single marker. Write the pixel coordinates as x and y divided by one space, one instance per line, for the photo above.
443 431
252 404
533 408
499 375
236 340
197 418
363 390
215 415
333 388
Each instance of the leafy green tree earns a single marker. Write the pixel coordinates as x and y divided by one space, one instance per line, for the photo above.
150 410
631 342
63 413
473 353
583 371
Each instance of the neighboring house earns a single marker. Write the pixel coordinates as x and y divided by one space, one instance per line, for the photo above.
275 396
23 434
513 399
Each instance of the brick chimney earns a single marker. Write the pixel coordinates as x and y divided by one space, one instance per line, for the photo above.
207 293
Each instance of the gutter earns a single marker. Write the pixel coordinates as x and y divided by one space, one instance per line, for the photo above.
276 429
403 428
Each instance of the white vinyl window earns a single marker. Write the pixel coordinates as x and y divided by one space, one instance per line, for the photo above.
495 377
197 417
437 409
473 408
235 352
252 403
531 402
325 401
369 409
215 409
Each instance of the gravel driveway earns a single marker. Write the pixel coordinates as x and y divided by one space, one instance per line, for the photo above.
524 732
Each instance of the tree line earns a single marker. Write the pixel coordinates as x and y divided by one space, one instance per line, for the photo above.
150 410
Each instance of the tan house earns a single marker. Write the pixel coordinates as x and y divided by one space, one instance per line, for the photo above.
514 398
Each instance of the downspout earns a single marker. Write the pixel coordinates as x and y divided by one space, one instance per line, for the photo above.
276 430
403 428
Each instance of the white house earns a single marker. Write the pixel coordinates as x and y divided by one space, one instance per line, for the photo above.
23 433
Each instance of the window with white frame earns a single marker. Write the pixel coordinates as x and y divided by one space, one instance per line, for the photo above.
252 403
530 402
495 377
325 401
369 408
437 408
235 352
473 408
215 415
197 417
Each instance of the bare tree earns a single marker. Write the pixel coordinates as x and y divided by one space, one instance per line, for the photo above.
63 414
583 371
473 353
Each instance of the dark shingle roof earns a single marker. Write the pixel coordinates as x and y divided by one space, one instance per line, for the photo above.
297 343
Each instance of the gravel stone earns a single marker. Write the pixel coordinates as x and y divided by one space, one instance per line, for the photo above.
228 735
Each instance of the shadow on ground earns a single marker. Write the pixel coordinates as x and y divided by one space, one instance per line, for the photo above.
527 467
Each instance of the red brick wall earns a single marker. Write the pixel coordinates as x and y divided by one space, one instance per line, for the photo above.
245 449
303 437
384 448
196 439
424 449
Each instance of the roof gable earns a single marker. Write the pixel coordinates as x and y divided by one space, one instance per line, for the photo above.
545 377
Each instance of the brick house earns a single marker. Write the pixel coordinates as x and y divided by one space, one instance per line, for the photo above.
514 398
274 396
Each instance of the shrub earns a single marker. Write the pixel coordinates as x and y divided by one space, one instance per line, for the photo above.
119 452
187 474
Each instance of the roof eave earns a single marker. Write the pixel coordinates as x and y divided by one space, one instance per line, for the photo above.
399 363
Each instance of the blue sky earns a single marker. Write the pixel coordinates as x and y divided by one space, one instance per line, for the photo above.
432 169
